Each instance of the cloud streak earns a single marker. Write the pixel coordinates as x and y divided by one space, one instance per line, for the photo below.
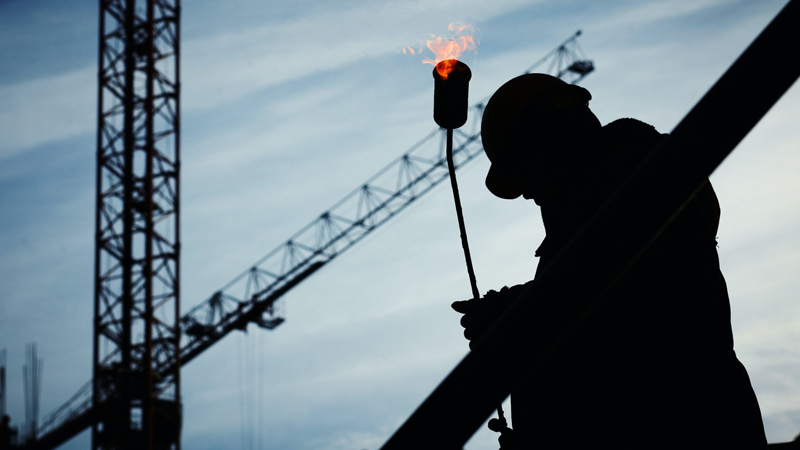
35 112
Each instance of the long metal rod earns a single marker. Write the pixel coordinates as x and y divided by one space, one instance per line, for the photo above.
147 265
176 371
473 282
460 214
122 414
2 382
98 237
674 171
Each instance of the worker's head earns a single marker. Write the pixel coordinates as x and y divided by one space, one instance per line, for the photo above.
535 128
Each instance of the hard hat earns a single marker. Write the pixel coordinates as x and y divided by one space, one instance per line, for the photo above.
534 93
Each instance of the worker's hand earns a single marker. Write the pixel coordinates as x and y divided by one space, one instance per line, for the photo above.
480 314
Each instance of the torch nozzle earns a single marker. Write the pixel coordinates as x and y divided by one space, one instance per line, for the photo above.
450 93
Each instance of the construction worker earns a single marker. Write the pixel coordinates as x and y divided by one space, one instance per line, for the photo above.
652 365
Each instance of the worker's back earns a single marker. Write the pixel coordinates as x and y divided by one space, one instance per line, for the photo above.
653 363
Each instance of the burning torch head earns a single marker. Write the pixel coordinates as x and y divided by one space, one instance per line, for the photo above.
450 93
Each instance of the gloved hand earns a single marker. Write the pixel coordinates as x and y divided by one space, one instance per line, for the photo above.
480 314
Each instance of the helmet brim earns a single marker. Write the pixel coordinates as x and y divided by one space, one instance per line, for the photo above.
500 185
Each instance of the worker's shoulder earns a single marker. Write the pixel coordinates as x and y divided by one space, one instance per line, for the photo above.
630 134
628 140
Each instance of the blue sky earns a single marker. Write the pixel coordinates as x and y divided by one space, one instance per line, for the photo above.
287 107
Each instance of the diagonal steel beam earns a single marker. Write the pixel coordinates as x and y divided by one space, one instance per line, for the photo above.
698 144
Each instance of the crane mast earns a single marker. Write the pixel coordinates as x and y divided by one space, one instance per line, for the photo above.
136 326
251 297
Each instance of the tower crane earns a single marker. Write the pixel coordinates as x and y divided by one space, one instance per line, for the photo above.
253 296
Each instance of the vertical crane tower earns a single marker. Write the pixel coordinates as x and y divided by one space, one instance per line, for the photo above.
136 389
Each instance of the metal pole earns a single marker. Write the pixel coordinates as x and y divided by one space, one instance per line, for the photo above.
461 227
464 242
2 382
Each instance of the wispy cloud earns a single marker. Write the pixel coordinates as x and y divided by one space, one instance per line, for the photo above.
39 111
232 65
223 68
646 13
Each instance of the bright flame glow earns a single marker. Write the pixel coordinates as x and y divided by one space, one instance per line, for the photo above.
464 37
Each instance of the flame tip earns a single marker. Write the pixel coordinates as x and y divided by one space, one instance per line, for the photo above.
462 38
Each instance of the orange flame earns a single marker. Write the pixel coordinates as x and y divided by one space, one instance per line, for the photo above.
448 48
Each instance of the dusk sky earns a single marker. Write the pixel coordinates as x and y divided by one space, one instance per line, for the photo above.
286 108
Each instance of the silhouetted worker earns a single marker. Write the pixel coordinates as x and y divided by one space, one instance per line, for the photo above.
6 432
652 366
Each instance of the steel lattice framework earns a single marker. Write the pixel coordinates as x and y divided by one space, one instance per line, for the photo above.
253 296
137 331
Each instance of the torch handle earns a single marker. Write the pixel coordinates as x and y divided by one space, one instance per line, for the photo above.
464 243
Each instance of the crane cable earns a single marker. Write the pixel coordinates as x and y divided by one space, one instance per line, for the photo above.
240 386
251 377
